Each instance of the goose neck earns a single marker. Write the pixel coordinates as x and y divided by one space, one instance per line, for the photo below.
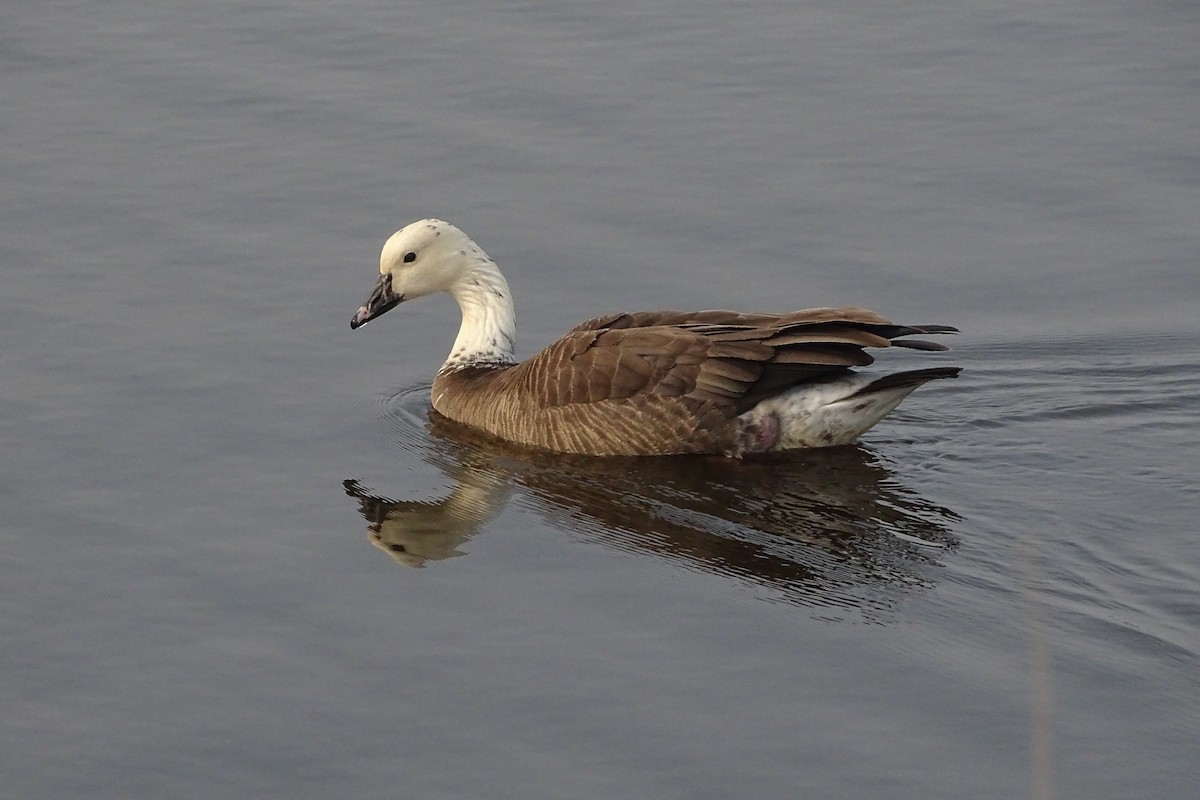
487 335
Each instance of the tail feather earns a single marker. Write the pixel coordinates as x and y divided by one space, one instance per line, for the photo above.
832 412
919 344
913 378
935 328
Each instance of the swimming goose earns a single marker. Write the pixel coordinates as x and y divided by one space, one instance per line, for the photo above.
649 382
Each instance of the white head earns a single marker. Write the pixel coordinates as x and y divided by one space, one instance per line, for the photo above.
434 256
422 258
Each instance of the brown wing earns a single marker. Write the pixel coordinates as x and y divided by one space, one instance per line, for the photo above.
725 358
646 319
662 361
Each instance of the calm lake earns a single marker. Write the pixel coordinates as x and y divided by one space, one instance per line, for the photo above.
240 559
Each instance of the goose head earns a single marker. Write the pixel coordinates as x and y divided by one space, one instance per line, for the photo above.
422 258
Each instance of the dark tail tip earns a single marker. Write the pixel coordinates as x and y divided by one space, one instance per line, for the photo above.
913 377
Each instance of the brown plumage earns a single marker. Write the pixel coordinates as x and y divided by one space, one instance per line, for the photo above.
667 382
653 382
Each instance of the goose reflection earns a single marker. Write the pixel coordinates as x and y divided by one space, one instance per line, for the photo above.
826 527
414 532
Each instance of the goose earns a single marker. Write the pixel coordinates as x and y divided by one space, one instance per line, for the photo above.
649 382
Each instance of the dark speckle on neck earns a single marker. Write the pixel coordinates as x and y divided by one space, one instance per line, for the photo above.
454 364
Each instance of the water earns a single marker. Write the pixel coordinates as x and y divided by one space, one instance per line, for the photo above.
206 475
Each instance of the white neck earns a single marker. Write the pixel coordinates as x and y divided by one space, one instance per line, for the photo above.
489 325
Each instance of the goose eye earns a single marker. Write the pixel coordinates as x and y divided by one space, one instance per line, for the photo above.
410 257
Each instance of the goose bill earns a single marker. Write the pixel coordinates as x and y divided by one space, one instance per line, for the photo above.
381 301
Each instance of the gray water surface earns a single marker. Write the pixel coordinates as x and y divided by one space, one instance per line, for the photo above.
216 497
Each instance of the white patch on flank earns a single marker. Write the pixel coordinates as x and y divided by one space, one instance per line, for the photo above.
827 414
